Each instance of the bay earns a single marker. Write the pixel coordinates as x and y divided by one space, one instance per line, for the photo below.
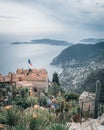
16 56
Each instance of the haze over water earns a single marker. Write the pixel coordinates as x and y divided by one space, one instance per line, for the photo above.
16 56
23 20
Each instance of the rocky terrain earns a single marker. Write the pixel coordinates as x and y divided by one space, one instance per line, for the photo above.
91 124
73 77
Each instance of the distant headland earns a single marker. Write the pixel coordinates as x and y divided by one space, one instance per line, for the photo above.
45 41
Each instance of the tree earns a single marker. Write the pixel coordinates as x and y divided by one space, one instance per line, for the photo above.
55 78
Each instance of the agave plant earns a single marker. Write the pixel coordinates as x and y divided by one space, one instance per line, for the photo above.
58 126
10 116
38 124
37 119
21 126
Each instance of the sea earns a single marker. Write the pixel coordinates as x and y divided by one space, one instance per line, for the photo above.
13 57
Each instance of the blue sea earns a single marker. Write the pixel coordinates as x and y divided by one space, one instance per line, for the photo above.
16 56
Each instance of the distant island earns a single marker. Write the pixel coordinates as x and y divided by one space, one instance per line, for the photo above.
92 40
46 41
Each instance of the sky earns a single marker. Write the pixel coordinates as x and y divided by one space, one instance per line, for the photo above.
70 20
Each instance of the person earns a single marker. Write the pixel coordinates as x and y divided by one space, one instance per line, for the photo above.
49 102
9 97
6 100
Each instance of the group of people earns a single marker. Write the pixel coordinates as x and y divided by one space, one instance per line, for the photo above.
53 104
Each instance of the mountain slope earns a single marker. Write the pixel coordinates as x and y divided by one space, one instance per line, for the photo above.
46 41
78 62
80 53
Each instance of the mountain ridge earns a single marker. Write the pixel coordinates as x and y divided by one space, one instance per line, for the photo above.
80 53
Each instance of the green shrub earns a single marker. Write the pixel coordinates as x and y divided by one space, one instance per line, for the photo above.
43 100
72 95
32 100
8 88
22 92
21 102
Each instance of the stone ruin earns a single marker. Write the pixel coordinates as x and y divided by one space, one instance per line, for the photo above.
36 78
88 101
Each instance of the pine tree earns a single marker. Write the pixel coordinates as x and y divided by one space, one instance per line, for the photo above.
55 78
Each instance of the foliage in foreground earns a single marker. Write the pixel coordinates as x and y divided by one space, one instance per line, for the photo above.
13 118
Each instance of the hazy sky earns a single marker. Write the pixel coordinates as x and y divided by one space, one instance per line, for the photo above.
70 20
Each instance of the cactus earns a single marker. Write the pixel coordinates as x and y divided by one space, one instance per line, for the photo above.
98 89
